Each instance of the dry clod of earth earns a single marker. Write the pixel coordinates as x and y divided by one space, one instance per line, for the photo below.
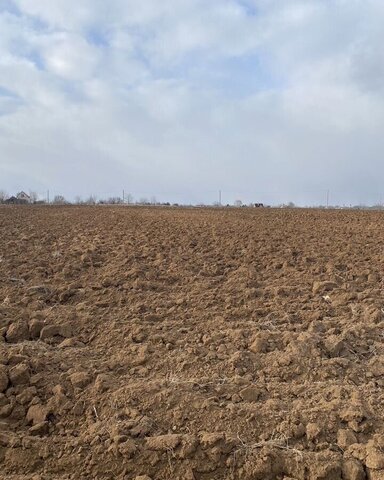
19 375
250 394
321 287
35 328
3 380
37 414
39 429
51 331
191 344
17 332
163 442
345 438
353 470
80 379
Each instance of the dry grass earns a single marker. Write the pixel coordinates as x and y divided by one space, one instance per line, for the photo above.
277 441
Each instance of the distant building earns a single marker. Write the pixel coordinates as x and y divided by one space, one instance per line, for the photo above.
21 198
15 201
24 197
259 205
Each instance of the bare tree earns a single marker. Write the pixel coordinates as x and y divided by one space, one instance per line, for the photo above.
114 201
33 197
91 200
3 196
59 200
78 200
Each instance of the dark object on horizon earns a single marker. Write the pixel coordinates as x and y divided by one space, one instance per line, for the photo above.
259 205
16 201
21 198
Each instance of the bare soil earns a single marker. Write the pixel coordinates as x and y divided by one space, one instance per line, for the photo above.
140 343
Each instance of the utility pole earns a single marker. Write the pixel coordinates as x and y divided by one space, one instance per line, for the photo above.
327 198
220 197
123 196
48 197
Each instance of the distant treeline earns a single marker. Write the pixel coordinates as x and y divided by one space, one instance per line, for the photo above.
32 198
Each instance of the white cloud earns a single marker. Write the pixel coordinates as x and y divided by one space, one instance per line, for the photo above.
99 96
70 56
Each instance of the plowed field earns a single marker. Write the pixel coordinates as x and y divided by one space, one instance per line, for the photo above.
139 343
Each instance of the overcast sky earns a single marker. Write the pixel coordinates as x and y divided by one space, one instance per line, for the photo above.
266 100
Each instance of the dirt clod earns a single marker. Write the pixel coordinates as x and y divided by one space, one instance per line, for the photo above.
163 442
39 429
375 458
35 327
80 379
37 414
3 380
345 438
321 287
353 470
19 374
51 331
17 332
250 394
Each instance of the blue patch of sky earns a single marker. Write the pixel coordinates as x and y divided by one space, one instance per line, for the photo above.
6 93
97 38
73 91
23 49
35 23
236 76
9 7
140 39
36 59
38 24
248 6
244 75
9 101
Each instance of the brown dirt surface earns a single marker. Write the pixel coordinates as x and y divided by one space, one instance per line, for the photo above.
140 343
